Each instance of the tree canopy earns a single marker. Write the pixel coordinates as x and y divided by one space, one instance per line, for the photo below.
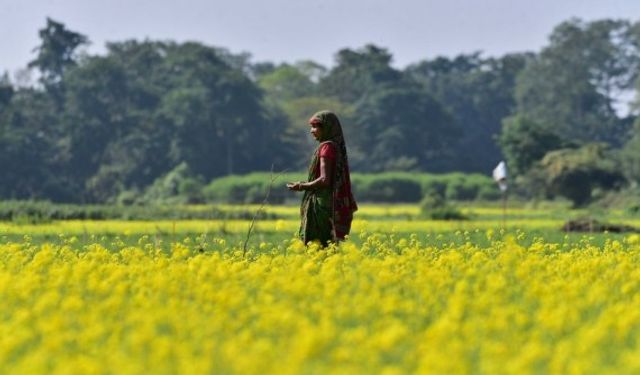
129 124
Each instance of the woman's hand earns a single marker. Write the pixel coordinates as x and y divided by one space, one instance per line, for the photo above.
295 186
322 182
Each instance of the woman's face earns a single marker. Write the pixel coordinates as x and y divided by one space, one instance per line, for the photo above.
316 131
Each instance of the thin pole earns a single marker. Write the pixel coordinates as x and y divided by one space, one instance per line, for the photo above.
504 210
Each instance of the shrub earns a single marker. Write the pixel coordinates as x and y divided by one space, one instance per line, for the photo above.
392 189
447 213
464 187
250 188
489 193
458 189
435 207
389 187
432 185
178 186
576 173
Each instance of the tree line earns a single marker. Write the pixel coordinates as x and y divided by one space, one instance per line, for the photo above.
96 128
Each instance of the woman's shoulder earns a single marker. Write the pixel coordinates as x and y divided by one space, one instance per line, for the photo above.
328 149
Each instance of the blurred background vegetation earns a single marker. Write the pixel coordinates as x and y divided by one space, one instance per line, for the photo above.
158 122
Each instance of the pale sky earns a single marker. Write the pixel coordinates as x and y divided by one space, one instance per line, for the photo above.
292 30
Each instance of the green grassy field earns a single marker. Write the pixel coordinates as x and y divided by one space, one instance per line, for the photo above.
486 222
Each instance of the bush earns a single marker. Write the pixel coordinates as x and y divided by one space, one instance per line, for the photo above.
390 187
458 189
463 187
435 207
578 174
250 188
447 213
387 188
178 186
432 185
489 193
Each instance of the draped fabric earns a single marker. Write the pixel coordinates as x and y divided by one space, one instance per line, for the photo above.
327 213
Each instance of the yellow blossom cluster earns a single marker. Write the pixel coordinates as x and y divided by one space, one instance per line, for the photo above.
390 305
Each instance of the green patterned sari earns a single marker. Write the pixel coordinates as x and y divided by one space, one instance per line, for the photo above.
316 211
326 213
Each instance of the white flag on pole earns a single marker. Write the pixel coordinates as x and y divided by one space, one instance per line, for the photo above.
500 175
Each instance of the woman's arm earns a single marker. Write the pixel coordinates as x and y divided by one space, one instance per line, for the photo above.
323 181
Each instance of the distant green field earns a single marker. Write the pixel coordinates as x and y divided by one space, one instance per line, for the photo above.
277 223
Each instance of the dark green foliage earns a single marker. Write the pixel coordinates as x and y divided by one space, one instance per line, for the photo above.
625 200
524 142
161 104
488 193
576 173
179 186
478 93
572 85
395 125
386 188
292 95
565 99
6 92
461 188
357 72
113 124
630 156
30 150
286 83
400 128
251 188
120 127
411 187
56 52
391 187
435 207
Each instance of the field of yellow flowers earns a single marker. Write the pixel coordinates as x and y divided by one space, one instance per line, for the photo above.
389 303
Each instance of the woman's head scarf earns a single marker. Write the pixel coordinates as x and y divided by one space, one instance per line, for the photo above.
331 131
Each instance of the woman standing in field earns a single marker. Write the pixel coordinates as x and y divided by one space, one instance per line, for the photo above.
327 204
